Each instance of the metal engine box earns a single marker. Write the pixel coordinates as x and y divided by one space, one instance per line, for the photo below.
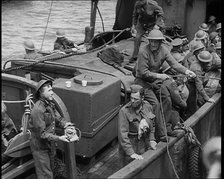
93 109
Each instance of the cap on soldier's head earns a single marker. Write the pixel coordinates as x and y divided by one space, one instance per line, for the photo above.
39 85
177 42
135 88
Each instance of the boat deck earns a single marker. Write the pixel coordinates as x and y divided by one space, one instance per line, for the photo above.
90 60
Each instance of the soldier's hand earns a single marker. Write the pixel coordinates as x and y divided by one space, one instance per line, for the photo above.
63 138
211 100
136 156
163 76
190 73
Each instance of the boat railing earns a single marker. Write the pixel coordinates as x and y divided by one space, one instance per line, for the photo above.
205 122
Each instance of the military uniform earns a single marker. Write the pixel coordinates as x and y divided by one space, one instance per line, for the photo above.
200 71
32 55
44 117
128 125
145 20
63 45
147 67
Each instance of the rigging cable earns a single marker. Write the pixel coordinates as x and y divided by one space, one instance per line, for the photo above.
167 140
46 25
100 18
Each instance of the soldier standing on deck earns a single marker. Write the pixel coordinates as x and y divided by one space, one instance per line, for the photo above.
146 14
135 127
44 117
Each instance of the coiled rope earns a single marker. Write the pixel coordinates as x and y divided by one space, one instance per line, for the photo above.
49 58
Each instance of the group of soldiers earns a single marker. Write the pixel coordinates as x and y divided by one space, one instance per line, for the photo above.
61 44
156 98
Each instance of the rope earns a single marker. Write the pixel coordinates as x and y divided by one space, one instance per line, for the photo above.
42 59
100 18
167 141
46 25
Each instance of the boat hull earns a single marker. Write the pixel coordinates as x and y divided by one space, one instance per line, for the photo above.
206 123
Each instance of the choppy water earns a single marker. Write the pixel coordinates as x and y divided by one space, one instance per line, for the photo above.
22 20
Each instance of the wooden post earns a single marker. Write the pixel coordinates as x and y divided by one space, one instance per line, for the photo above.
93 17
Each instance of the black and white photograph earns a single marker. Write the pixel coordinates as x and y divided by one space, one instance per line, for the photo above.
96 89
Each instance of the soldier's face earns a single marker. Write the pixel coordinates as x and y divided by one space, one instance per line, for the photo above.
135 99
47 92
154 44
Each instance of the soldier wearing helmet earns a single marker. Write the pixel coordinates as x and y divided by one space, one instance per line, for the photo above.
30 50
146 14
211 24
204 63
136 127
213 39
147 72
177 53
62 43
197 47
44 118
205 28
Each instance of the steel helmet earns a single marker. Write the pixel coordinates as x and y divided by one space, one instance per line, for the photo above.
204 27
211 18
213 35
218 45
197 45
200 35
60 33
29 45
39 85
204 56
155 34
177 42
218 26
